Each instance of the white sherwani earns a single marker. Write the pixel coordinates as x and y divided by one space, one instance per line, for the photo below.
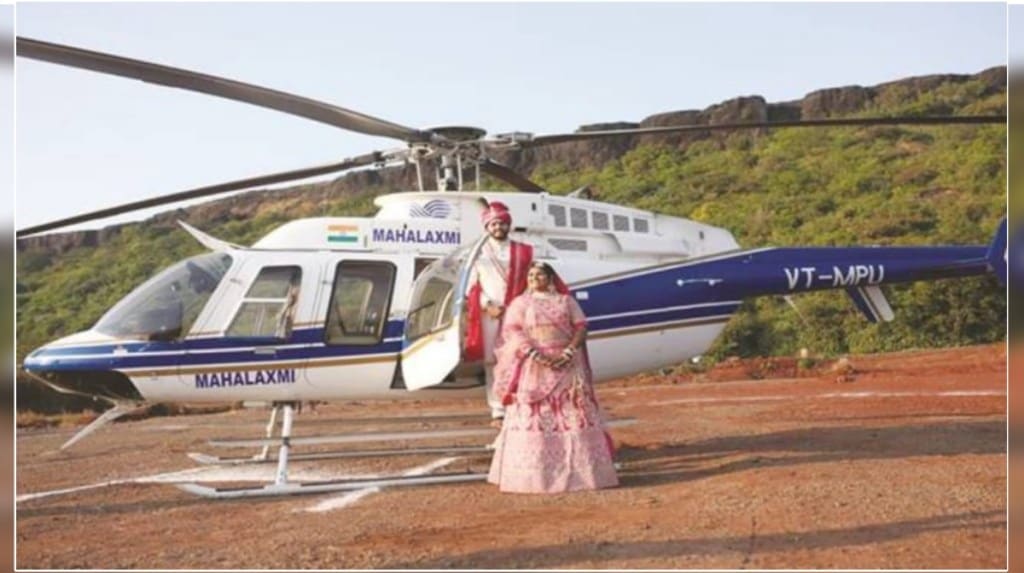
491 269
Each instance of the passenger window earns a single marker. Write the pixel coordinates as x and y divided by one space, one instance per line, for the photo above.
359 304
600 220
433 312
268 308
558 212
578 218
621 222
641 225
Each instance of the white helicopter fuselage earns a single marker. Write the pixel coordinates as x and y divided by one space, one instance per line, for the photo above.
348 286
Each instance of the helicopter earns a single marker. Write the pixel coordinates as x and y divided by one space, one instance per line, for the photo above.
346 308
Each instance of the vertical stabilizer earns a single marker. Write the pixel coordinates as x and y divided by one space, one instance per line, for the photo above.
996 255
871 301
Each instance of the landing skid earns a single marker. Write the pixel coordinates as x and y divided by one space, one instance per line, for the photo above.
207 459
355 438
281 485
281 489
373 437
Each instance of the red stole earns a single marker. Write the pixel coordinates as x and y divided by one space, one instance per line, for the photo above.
520 257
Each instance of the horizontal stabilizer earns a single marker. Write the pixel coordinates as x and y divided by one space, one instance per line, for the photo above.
871 301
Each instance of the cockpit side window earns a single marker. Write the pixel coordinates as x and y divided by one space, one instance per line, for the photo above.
360 302
166 306
268 309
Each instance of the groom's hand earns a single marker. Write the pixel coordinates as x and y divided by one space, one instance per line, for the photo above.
494 310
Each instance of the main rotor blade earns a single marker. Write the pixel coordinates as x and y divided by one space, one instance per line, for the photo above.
217 86
238 185
499 171
838 122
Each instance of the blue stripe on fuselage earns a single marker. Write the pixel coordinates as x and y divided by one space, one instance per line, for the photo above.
143 357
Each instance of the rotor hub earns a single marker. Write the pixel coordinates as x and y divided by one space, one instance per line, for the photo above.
459 133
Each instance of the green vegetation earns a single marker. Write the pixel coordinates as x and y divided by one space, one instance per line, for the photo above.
1016 204
838 187
826 187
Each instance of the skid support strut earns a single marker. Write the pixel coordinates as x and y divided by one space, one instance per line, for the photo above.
286 435
262 456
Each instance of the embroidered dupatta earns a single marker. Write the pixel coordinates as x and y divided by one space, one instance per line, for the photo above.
516 345
514 361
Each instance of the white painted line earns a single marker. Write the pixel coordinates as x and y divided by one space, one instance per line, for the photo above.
352 497
29 496
345 500
720 400
865 394
427 468
974 393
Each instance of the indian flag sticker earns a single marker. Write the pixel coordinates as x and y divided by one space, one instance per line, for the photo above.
343 233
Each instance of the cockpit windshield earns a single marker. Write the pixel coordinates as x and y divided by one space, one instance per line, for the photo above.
165 306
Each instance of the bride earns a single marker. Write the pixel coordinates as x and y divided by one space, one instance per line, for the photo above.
553 438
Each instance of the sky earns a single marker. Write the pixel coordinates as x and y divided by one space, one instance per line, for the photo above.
87 141
1015 43
6 118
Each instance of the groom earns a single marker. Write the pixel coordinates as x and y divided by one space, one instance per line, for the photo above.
498 275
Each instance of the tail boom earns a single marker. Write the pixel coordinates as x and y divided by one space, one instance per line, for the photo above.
787 271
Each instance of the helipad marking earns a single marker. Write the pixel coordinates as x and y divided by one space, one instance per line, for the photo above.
29 496
342 501
865 394
350 498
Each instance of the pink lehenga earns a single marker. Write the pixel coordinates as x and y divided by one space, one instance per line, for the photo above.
553 438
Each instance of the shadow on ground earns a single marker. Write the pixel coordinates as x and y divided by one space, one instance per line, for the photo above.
685 462
556 556
674 463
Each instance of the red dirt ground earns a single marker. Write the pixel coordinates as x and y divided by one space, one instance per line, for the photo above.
901 464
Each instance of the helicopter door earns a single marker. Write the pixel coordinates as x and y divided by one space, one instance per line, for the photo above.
432 343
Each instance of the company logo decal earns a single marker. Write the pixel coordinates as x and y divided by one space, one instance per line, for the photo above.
247 378
435 209
417 236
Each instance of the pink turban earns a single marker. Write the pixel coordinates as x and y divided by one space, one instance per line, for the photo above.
496 211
